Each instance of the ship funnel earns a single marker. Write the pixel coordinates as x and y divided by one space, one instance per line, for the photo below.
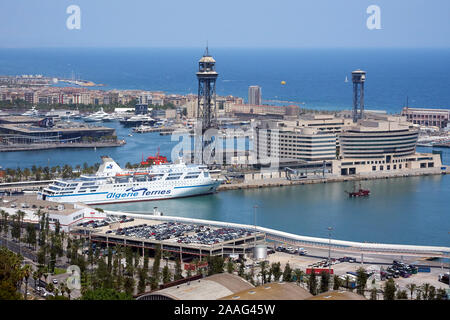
109 167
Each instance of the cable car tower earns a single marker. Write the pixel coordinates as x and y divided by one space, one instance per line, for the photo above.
358 79
206 105
207 75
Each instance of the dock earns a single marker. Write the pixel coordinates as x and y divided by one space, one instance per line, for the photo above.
45 146
280 182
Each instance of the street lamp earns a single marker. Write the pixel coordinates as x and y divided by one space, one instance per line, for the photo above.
254 215
329 249
254 219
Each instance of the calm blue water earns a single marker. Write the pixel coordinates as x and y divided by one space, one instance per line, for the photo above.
313 76
403 210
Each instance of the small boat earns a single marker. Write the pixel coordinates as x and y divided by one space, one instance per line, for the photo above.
358 193
346 79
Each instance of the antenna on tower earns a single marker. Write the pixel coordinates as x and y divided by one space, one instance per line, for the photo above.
207 51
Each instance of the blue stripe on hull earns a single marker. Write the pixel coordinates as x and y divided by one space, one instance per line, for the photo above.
202 185
184 194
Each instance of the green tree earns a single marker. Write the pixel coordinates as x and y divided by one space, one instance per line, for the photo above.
389 290
31 235
373 293
441 294
215 264
324 281
263 271
156 265
153 283
105 294
337 283
230 266
312 283
128 285
412 288
241 271
166 275
361 281
142 280
178 271
275 269
5 225
402 295
26 273
425 288
299 274
287 274
432 293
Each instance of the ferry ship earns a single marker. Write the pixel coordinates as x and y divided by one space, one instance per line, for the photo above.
112 184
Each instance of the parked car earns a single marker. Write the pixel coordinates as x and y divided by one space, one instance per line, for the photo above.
444 278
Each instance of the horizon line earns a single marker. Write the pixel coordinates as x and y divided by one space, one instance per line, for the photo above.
222 47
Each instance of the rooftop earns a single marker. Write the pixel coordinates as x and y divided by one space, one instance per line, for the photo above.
272 291
210 288
338 295
27 128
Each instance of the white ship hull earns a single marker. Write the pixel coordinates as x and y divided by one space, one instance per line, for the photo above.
140 193
111 184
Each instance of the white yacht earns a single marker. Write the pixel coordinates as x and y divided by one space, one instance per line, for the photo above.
33 112
97 116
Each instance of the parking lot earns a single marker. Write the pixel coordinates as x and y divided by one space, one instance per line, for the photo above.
169 231
349 267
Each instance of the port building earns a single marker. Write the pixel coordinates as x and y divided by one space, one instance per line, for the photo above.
381 146
23 130
68 214
427 117
306 144
310 138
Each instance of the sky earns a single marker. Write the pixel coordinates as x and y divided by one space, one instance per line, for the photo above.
225 23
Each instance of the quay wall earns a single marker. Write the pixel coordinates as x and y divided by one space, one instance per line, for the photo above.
28 147
261 180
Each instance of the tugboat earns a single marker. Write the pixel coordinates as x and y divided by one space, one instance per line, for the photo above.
358 193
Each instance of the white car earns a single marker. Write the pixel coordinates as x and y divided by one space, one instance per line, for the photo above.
55 281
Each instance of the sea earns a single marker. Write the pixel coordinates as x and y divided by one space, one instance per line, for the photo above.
400 210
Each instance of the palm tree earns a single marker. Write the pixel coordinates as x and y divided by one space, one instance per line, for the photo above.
299 275
411 287
62 287
426 291
5 216
35 277
68 292
263 271
26 272
418 293
20 216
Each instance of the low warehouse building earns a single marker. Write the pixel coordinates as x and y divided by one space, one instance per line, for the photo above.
210 288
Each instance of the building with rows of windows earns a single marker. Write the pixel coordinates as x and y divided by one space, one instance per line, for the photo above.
381 146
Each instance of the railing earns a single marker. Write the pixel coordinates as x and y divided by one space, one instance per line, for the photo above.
271 234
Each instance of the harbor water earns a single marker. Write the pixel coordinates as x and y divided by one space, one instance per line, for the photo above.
411 210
